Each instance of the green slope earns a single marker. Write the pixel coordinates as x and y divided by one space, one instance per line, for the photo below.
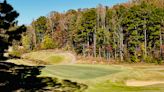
108 78
50 57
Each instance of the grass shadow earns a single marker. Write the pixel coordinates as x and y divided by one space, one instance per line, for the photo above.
24 78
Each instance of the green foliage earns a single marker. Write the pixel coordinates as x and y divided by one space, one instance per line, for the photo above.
26 42
16 51
48 43
151 59
40 24
40 28
102 36
118 31
86 27
138 19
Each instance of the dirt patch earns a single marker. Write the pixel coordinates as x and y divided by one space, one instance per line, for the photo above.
142 83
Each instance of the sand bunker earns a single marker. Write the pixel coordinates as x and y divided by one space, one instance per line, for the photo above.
142 83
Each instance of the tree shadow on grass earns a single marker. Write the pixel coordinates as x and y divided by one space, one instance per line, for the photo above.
24 78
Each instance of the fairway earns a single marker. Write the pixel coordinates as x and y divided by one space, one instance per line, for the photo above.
80 71
118 87
110 78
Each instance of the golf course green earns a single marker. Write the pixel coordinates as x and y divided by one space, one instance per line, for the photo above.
100 78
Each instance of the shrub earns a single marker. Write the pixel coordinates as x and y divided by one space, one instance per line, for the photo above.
48 43
26 42
17 52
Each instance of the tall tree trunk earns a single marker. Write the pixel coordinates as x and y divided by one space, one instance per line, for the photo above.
108 55
115 49
145 34
100 52
104 53
51 27
34 38
84 50
94 44
88 45
145 38
97 27
121 44
160 44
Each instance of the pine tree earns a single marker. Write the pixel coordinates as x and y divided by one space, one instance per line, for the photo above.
7 21
40 28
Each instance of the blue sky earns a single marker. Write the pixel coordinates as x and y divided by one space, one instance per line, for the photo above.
32 9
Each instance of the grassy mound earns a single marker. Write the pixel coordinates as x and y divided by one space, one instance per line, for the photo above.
49 57
55 59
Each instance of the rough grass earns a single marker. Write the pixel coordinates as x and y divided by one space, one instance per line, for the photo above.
49 57
22 62
55 59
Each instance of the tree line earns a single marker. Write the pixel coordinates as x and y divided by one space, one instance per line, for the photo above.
132 31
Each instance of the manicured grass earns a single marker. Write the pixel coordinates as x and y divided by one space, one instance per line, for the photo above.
117 82
119 87
108 78
99 78
80 71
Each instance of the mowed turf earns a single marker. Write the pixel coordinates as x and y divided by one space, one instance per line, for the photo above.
80 71
119 87
117 82
99 78
109 78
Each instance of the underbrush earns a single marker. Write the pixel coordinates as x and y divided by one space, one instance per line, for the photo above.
103 61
